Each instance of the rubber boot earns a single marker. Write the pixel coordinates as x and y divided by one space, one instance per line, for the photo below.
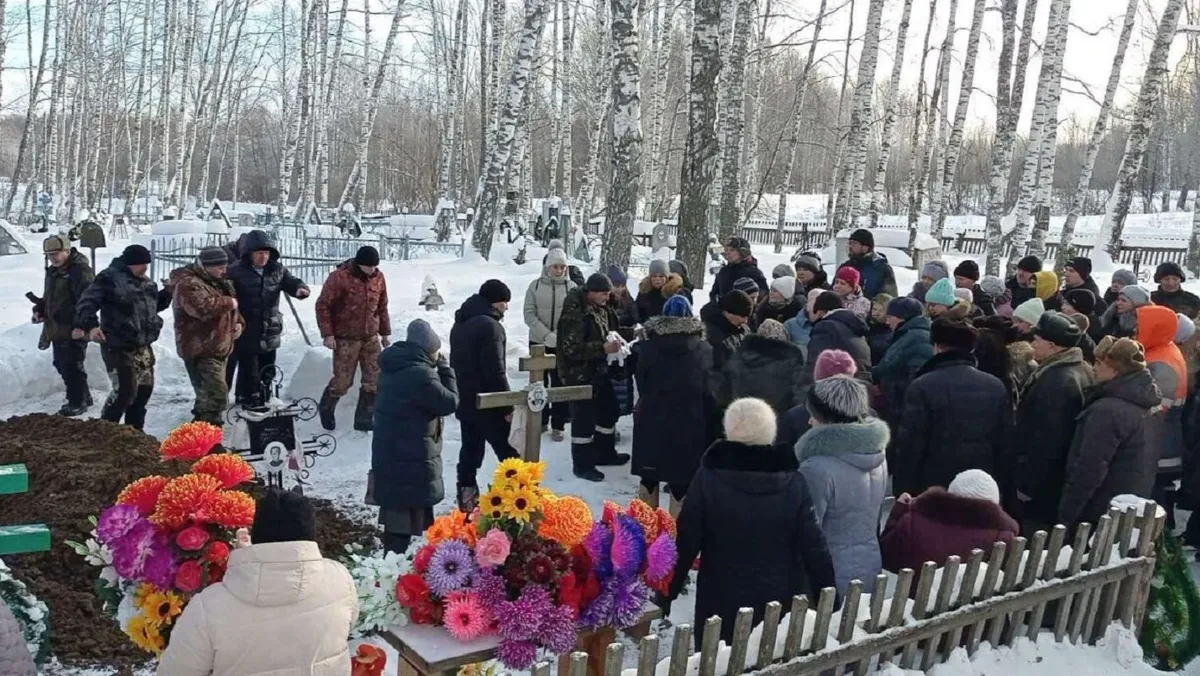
326 409
650 497
364 413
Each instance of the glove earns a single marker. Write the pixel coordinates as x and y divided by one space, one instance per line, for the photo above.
551 340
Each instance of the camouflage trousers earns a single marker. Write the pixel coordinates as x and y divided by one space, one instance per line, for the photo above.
131 372
350 355
212 392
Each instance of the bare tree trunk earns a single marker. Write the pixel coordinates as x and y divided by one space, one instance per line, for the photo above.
487 201
485 114
890 115
1117 207
860 118
733 113
625 188
450 121
700 156
840 146
30 107
658 103
916 170
1049 150
941 103
756 76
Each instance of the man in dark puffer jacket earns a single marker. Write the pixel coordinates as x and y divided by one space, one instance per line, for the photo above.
765 366
259 278
128 303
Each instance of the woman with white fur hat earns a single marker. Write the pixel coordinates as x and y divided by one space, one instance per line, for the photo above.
749 512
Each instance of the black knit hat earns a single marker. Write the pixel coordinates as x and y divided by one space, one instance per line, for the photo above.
1082 265
1170 268
368 256
1058 328
1030 264
952 333
283 516
968 269
741 244
495 291
1083 300
136 254
598 282
863 237
736 303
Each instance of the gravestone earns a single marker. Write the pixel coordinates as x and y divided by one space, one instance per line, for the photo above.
661 237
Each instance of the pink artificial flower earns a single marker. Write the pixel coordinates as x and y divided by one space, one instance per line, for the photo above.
191 539
465 617
492 549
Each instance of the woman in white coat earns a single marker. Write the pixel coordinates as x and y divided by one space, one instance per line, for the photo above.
543 308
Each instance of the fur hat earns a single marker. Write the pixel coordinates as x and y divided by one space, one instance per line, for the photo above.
495 291
746 285
786 286
736 303
968 269
782 270
55 243
616 275
1083 300
555 256
283 516
809 262
677 306
1124 277
1082 265
957 335
420 333
834 363
964 294
1124 355
751 422
659 267
771 328
1136 295
1030 264
1058 328
1186 329
848 275
977 484
1045 284
992 286
741 244
941 293
935 270
863 237
904 308
1030 311
1169 268
838 399
136 254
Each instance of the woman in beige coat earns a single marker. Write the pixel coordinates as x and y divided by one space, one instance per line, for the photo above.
281 609
543 308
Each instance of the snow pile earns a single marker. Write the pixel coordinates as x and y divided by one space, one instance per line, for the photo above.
28 373
180 227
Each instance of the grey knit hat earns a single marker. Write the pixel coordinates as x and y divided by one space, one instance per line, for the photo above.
935 270
212 256
1124 277
421 334
1136 295
782 270
992 286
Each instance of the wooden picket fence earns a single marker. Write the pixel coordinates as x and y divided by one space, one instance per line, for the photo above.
1009 595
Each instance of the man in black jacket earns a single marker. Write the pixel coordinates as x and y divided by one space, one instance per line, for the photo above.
478 345
966 276
1170 278
954 415
738 263
1020 285
726 324
1047 410
583 348
67 275
836 328
127 302
259 278
1077 274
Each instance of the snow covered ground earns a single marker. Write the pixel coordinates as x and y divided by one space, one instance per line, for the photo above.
31 385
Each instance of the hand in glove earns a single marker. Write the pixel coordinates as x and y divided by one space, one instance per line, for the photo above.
551 340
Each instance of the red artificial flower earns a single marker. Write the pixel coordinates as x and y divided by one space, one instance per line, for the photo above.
610 512
228 509
540 569
411 591
570 594
189 577
421 560
192 539
191 441
368 660
218 552
231 470
515 577
216 573
183 498
143 493
425 612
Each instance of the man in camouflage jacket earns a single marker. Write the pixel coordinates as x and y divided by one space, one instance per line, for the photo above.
352 314
583 349
67 275
207 323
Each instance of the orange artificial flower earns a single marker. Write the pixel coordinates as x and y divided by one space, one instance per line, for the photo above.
143 493
190 441
452 526
230 469
645 515
566 520
228 509
368 660
666 523
182 498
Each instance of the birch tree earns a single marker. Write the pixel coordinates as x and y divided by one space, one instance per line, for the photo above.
733 113
658 103
1117 207
860 118
449 139
890 114
700 154
625 188
487 201
920 142
32 103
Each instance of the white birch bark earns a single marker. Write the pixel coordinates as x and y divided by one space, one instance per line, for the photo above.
733 114
756 76
450 120
624 190
916 169
31 105
965 89
890 115
1049 150
842 131
860 118
941 104
700 155
658 104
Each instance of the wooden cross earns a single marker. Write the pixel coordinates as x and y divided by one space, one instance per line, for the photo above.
20 539
537 363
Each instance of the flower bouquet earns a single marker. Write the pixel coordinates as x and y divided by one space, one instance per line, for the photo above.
534 568
165 539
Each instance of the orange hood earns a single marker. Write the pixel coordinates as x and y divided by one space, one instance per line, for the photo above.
1156 326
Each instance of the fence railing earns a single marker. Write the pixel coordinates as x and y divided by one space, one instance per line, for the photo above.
1076 589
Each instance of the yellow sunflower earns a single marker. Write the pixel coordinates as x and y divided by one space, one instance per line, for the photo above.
508 472
145 634
521 504
162 608
532 473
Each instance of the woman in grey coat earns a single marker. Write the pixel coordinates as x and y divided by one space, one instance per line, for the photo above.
843 461
543 308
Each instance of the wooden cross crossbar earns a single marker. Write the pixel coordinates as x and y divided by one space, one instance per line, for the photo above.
536 364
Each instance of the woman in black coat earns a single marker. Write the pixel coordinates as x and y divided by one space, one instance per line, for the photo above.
750 516
765 366
670 426
416 389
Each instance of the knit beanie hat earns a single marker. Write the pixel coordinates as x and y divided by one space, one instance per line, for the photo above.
1045 284
1170 268
771 328
420 333
935 270
556 255
598 283
1058 328
808 262
616 275
283 516
741 244
941 293
863 237
1186 329
1083 300
834 363
955 334
1124 277
977 484
367 255
848 275
1080 264
786 286
782 270
964 294
136 254
495 291
904 308
1124 355
746 285
212 255
751 422
1136 295
1030 264
968 269
838 399
677 306
1030 311
659 267
736 303
992 286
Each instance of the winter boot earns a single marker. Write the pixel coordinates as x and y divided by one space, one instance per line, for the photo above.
605 451
326 408
70 410
583 464
369 498
396 542
468 498
364 413
556 435
650 497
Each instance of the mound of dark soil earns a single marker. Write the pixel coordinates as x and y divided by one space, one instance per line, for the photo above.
76 468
